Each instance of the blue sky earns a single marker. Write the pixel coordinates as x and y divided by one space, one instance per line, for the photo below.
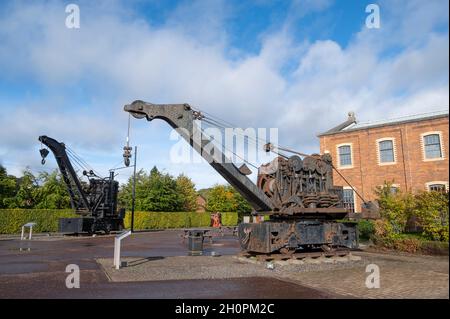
298 66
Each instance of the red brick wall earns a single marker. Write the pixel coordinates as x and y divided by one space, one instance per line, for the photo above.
410 171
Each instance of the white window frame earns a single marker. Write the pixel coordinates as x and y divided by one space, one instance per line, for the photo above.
394 150
355 207
339 157
422 145
427 185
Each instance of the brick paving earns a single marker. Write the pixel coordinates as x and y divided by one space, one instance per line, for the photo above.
400 277
36 269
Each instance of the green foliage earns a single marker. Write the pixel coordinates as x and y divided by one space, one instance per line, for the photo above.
163 220
395 208
12 220
366 229
243 207
154 192
221 198
224 198
431 209
8 188
25 196
46 191
230 219
53 192
186 190
434 247
399 242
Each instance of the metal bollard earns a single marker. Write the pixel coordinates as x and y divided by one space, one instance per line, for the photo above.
117 241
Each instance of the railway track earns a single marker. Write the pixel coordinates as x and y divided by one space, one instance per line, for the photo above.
297 256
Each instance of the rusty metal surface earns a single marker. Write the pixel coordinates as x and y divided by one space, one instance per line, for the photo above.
286 188
297 256
181 117
271 236
298 186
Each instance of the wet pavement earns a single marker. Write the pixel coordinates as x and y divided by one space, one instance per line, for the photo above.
36 269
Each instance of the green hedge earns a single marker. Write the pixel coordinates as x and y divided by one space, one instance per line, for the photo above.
12 220
162 220
366 229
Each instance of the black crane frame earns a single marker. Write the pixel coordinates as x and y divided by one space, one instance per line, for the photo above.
95 202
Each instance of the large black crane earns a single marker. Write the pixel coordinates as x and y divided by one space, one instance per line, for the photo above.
95 201
298 193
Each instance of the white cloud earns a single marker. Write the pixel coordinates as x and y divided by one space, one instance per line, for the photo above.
116 57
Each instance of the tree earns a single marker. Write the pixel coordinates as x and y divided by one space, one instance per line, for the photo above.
125 193
8 188
221 198
52 194
186 190
243 207
395 208
431 209
156 192
25 197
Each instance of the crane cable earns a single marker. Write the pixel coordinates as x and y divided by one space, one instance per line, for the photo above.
226 124
234 153
214 120
84 164
249 138
337 171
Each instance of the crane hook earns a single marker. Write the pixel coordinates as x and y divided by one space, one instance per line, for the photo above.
44 152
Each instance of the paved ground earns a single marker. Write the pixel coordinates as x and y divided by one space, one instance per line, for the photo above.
36 269
160 268
415 277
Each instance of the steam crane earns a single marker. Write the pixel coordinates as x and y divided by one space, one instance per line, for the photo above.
298 193
95 202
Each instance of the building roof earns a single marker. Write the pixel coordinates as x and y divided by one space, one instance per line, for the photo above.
351 124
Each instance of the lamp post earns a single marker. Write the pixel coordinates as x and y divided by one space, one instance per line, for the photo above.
133 195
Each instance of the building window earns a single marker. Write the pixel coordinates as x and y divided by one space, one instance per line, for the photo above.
386 151
345 155
432 146
349 200
437 186
394 190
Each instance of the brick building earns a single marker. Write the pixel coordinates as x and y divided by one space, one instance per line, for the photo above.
411 152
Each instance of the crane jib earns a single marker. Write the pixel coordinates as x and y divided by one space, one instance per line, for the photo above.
181 117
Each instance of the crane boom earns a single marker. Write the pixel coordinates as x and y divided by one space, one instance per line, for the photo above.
78 198
304 205
181 117
97 202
